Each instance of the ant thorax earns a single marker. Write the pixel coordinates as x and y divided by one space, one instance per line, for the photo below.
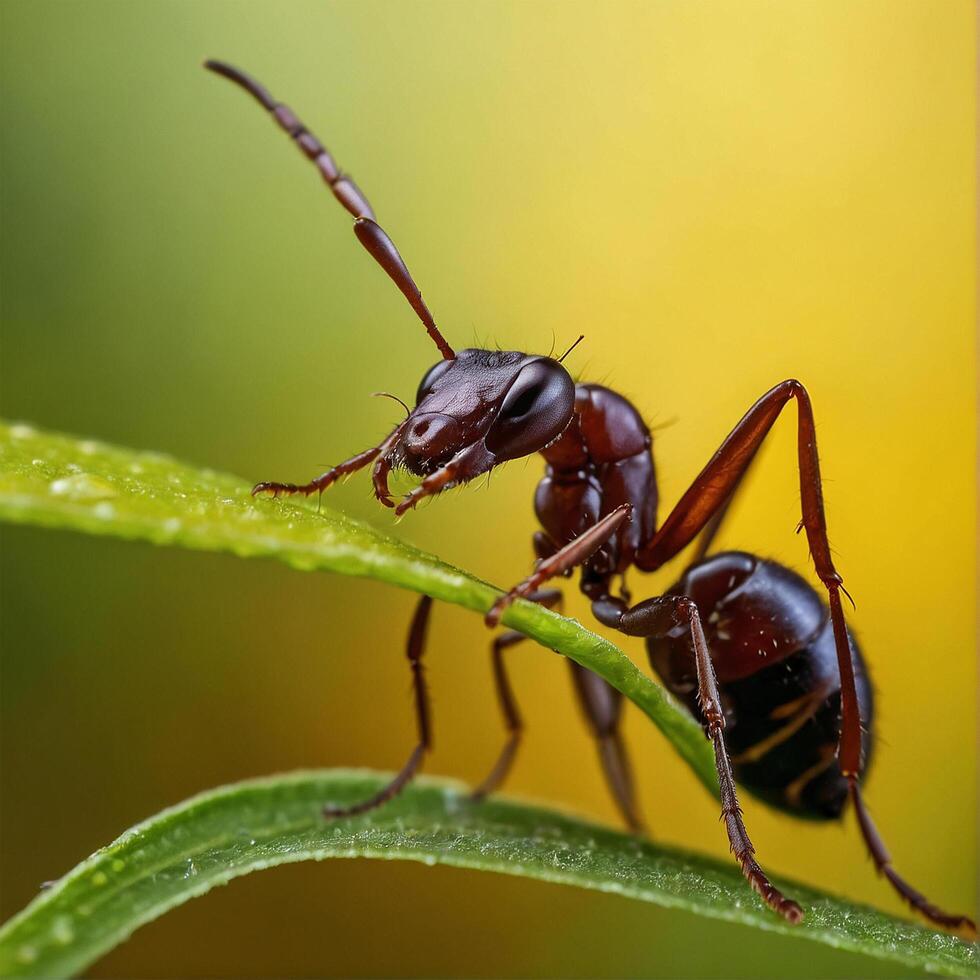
602 460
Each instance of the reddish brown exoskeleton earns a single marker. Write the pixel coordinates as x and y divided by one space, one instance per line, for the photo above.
795 719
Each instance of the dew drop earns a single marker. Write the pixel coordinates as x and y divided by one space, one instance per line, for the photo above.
88 447
82 486
190 870
172 525
21 431
99 878
62 931
118 865
104 511
27 953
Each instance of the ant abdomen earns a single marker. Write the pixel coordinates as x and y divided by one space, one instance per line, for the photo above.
772 645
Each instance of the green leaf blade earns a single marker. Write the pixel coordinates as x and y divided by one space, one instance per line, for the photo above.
60 482
57 481
226 833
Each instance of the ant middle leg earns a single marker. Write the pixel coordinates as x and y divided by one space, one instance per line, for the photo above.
654 618
550 598
659 617
414 651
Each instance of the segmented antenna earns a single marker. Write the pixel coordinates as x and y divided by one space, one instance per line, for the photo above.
581 337
369 233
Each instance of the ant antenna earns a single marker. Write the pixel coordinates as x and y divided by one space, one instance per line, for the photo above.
369 233
394 398
570 349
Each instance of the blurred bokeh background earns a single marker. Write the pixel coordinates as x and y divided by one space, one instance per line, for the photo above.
719 195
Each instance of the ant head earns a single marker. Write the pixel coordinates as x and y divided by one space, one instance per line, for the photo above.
474 409
502 403
479 409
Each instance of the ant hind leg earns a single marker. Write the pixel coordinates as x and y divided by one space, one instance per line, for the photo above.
602 706
704 500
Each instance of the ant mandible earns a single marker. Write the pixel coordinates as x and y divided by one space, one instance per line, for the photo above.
745 643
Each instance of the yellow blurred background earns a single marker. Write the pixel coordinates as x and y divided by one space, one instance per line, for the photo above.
719 195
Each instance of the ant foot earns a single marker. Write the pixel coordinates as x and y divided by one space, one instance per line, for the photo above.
384 499
492 618
276 489
407 504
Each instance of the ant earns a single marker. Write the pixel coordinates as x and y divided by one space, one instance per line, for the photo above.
748 645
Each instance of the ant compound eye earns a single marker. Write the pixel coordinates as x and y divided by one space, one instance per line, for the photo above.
431 377
534 411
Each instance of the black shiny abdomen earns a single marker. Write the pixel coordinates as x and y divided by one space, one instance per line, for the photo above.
772 645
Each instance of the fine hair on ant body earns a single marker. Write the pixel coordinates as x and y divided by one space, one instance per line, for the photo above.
794 725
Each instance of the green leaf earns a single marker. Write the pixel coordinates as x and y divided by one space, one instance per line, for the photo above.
185 851
61 482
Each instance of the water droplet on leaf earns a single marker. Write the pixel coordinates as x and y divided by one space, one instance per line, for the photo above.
82 486
27 953
62 931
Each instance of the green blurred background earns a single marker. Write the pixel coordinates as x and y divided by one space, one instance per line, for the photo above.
719 195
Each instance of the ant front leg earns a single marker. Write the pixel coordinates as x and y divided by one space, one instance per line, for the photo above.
659 617
415 649
349 466
320 483
574 553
